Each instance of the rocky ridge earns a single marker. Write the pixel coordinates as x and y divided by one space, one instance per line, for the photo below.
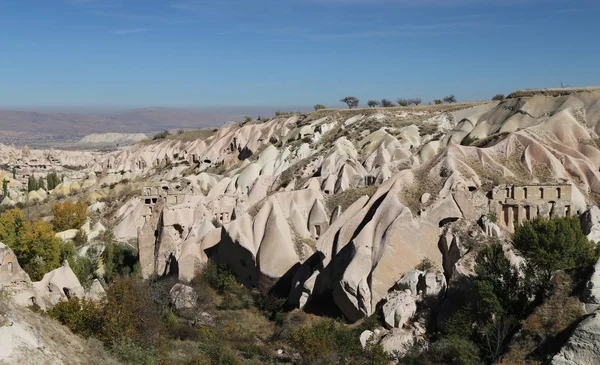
334 210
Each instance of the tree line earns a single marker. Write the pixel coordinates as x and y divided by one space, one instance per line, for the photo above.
353 102
52 181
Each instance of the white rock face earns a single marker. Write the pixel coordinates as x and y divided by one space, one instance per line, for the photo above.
399 308
591 292
365 337
590 223
183 296
121 139
583 347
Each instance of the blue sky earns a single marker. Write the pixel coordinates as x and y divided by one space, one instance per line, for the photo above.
200 53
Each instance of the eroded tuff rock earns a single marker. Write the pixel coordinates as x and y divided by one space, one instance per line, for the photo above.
583 346
281 202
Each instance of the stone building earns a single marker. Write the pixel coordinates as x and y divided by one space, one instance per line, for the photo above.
513 204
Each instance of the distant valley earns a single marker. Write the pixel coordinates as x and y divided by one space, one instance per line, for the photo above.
44 129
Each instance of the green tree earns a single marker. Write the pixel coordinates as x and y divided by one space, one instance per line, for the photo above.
5 189
498 97
32 183
40 249
35 244
319 107
52 181
373 103
555 244
41 184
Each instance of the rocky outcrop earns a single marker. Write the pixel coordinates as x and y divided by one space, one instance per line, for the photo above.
583 346
398 308
183 296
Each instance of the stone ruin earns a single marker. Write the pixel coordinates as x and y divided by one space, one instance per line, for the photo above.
514 204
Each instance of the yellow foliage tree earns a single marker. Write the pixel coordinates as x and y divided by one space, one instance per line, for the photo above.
35 244
69 215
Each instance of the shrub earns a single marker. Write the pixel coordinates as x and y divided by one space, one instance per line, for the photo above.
555 244
402 102
119 261
468 140
455 350
129 311
132 353
386 103
319 107
492 217
161 135
437 101
415 101
69 215
351 101
247 119
80 238
426 265
83 316
373 103
498 97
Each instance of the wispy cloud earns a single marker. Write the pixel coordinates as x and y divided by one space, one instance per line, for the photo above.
131 31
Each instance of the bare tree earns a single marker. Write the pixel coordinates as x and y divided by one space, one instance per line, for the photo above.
386 103
416 101
373 103
450 99
351 101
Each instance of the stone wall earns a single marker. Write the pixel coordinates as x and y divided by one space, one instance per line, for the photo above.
514 204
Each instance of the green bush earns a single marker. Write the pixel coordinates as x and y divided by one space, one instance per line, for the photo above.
555 244
84 317
319 107
132 353
330 342
161 135
426 265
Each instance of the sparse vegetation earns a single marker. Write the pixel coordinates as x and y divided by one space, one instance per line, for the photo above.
349 196
498 97
161 135
319 107
426 265
373 103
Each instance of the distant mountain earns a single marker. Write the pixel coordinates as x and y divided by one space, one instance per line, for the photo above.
146 120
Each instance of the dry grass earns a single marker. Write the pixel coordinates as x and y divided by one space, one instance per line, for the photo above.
553 92
349 196
544 331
